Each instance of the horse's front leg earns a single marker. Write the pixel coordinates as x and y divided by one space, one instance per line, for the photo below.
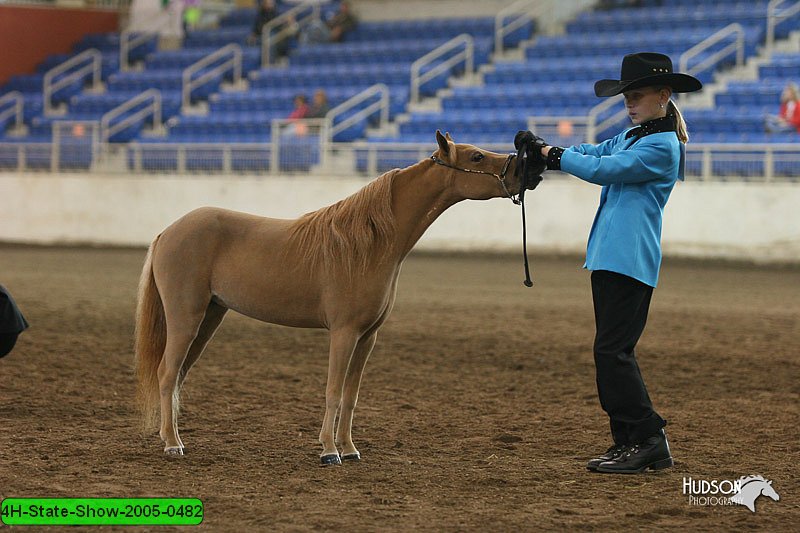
352 383
343 342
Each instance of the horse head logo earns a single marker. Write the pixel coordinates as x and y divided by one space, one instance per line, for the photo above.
751 487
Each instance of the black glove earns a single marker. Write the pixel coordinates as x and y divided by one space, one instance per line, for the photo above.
522 138
533 142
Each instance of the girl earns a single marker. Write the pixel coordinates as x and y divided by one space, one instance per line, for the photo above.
637 170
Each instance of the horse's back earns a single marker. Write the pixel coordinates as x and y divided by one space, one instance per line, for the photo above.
242 261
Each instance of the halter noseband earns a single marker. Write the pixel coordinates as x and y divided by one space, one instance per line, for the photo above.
500 177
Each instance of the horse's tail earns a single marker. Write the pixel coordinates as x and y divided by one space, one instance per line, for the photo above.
151 339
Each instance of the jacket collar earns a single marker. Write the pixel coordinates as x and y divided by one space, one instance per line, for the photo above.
657 125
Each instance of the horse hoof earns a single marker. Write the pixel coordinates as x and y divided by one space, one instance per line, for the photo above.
330 459
173 451
351 457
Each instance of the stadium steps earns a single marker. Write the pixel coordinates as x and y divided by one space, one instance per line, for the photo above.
705 99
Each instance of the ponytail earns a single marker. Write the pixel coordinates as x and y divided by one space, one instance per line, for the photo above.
680 124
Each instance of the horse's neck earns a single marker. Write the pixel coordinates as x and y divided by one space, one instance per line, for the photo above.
418 198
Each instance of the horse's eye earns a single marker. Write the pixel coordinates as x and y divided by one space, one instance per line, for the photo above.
477 156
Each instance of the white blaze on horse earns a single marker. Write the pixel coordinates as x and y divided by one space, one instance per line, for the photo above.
334 268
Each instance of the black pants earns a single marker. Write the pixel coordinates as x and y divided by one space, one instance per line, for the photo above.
7 342
621 304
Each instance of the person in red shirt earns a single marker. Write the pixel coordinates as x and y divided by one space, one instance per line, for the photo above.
300 107
788 118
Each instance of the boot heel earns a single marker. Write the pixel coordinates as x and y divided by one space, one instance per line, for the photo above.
662 464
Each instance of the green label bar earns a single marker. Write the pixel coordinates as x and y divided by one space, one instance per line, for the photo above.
101 511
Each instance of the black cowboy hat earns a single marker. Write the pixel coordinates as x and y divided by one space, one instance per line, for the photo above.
647 69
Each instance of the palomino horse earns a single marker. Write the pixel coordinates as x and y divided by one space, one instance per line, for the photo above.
335 268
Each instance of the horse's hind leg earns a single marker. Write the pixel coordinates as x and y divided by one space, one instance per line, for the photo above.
183 323
352 383
214 315
343 342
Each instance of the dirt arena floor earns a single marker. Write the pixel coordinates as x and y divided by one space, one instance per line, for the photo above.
477 413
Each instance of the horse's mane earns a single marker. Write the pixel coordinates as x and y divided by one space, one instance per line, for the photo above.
744 480
350 233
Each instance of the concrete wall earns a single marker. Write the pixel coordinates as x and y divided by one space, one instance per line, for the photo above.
713 220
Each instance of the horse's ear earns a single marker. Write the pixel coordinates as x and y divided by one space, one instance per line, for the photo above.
444 146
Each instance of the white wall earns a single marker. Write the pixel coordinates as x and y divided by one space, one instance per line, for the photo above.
714 220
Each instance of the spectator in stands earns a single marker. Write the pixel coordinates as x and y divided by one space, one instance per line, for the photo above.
319 106
334 29
300 107
637 169
191 15
12 323
297 126
267 12
788 117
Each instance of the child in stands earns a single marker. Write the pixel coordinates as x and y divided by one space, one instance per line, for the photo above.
788 117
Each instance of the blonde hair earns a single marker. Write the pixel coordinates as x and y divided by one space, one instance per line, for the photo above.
680 123
672 109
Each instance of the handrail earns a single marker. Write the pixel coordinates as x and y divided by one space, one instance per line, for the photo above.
235 62
773 20
16 110
527 10
267 38
56 147
107 130
468 56
592 127
381 105
738 44
128 40
49 87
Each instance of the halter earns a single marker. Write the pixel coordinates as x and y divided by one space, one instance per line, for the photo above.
500 177
522 164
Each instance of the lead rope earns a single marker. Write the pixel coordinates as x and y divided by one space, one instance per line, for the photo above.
528 282
522 156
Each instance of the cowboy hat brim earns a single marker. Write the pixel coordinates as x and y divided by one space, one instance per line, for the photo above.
680 83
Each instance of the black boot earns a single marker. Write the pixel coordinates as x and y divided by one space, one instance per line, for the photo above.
612 453
652 454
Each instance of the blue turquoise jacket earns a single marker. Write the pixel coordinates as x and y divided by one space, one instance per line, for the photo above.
637 175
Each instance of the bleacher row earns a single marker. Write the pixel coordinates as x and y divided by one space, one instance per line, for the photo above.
554 78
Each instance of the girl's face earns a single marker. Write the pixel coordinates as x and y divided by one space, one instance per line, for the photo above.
645 104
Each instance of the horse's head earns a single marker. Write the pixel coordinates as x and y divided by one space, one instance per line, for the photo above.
768 491
477 174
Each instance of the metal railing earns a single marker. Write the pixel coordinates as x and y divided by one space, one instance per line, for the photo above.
288 24
719 55
592 125
74 140
560 130
467 57
200 158
381 105
154 109
16 110
76 148
50 85
128 40
774 18
234 63
513 17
